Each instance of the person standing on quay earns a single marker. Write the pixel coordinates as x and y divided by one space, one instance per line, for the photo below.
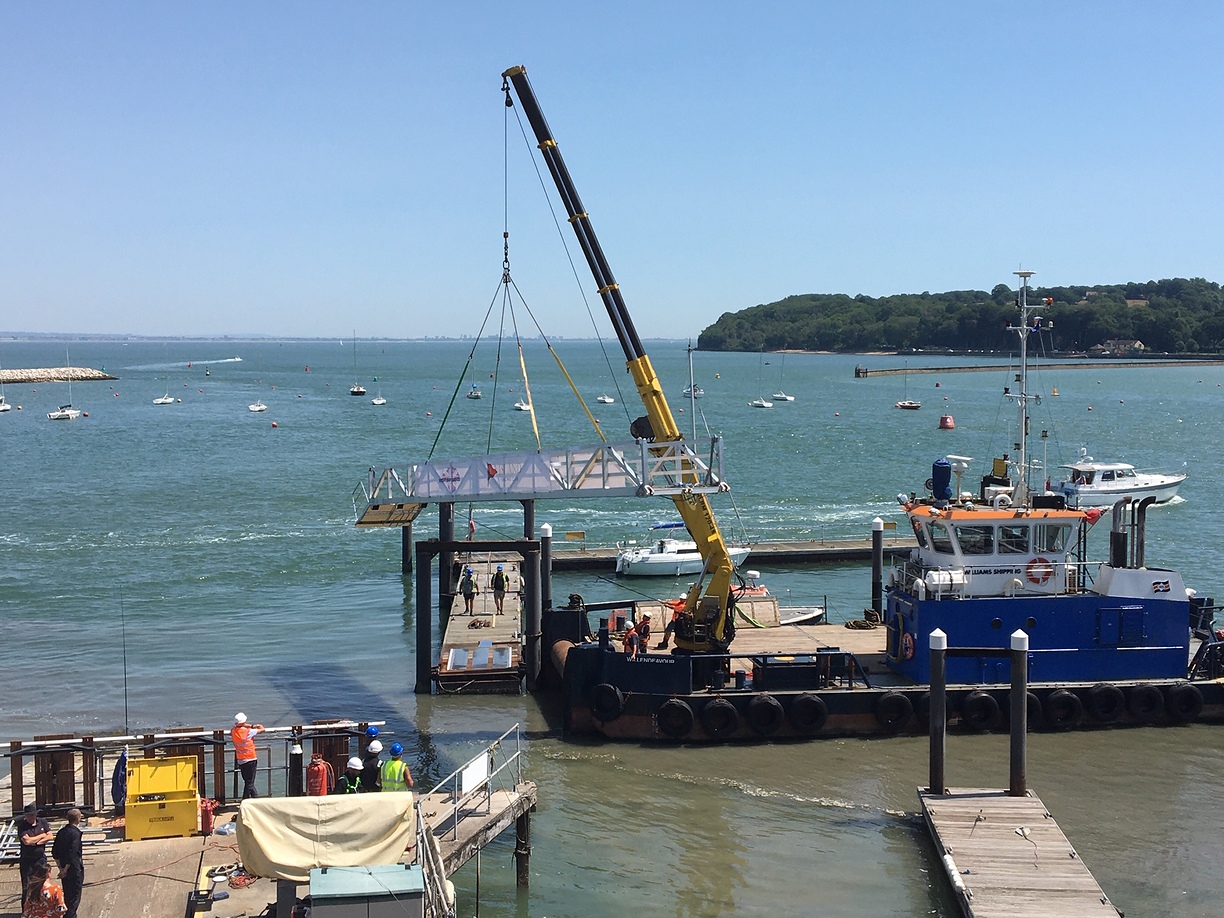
371 768
499 582
34 832
42 896
69 855
350 781
245 757
469 589
395 774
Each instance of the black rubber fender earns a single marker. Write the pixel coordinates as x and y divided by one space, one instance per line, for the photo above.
1145 704
979 710
893 711
765 714
808 713
1106 702
719 718
607 702
675 718
1062 709
1183 703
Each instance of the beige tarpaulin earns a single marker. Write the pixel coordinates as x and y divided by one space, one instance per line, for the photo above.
285 837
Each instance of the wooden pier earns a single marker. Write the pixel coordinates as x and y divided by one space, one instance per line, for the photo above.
1002 851
1006 856
482 652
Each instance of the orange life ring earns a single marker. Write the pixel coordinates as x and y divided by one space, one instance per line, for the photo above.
907 646
1039 570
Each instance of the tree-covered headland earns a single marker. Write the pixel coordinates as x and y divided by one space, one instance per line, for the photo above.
1178 315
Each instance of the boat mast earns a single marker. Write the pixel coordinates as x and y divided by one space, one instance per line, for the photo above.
1023 398
693 394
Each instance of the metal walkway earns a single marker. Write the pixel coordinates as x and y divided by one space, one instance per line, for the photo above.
394 496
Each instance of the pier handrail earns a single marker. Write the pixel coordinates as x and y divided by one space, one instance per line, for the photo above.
439 899
484 784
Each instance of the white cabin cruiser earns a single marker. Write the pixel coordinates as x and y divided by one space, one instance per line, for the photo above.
1102 484
668 557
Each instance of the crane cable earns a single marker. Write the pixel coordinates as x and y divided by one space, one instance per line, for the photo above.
568 255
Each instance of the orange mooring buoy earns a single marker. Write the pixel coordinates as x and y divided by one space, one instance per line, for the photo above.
946 422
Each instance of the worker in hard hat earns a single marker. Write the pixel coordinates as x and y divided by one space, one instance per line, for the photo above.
499 582
469 589
350 781
245 756
371 766
395 773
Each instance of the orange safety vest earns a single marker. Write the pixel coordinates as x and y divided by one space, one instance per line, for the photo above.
243 738
626 640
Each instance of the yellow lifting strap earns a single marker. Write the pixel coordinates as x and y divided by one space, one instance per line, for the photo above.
530 402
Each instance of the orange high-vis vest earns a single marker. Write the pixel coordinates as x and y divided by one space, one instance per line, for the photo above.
244 743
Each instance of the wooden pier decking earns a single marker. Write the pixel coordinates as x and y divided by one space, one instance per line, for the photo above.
1006 856
482 652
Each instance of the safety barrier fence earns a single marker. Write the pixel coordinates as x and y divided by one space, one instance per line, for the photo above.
475 781
71 771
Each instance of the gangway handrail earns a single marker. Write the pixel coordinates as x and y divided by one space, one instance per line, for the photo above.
456 793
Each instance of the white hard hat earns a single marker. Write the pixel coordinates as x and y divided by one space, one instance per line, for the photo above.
354 763
375 747
645 615
240 718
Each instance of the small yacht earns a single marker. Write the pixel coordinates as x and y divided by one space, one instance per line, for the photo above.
521 405
258 406
378 399
164 400
693 391
605 399
474 392
760 403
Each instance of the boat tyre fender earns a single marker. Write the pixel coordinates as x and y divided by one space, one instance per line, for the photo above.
1146 703
1106 702
719 718
808 713
675 718
1035 716
607 702
893 711
1183 703
765 714
979 710
1062 709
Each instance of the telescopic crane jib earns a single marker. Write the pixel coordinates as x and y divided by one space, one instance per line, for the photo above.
707 624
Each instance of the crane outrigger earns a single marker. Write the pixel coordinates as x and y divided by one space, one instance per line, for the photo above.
707 623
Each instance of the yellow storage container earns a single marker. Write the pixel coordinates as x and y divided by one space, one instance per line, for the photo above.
163 798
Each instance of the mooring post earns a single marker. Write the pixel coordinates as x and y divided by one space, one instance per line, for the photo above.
286 897
446 563
1019 714
546 567
522 849
531 623
939 710
877 566
406 549
424 622
528 518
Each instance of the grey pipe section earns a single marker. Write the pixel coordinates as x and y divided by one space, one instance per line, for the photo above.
939 711
1019 714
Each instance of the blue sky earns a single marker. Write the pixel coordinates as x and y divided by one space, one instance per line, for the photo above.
307 168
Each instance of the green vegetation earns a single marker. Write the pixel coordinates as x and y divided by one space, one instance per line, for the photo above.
1177 316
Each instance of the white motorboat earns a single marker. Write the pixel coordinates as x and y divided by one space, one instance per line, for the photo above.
908 404
760 403
605 399
693 391
258 406
1103 484
521 405
668 557
164 400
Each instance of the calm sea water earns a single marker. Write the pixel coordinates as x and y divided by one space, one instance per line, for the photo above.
225 547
